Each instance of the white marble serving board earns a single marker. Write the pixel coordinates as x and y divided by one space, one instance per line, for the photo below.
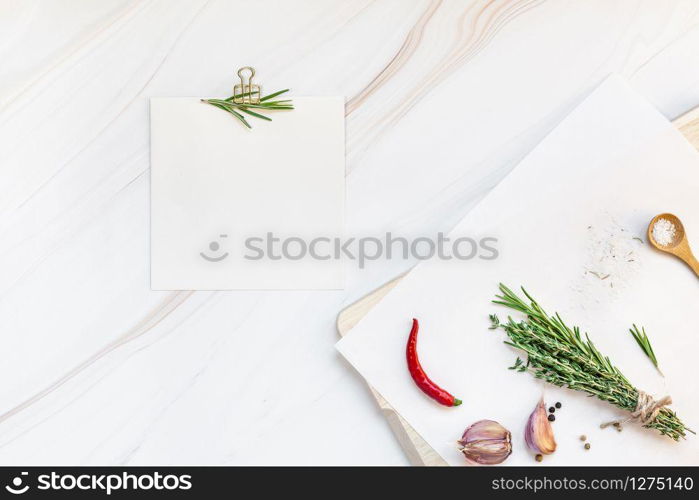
570 211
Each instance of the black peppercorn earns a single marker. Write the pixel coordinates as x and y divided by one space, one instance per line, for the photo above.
552 417
558 405
552 410
539 457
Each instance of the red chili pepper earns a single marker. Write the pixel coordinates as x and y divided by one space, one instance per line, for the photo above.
419 375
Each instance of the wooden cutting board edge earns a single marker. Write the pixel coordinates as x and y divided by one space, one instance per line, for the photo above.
416 449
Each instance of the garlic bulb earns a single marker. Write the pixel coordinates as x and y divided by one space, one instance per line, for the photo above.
486 442
539 433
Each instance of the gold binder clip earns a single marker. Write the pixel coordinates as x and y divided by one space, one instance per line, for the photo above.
246 93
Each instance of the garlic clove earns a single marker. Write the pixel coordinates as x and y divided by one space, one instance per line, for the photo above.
486 443
539 432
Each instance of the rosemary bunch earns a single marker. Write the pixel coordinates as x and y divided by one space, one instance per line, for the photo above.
560 356
266 103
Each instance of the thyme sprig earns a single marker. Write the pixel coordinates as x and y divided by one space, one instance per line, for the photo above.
644 343
266 103
561 356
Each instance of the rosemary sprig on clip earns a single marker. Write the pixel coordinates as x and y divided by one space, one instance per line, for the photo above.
265 104
644 343
560 356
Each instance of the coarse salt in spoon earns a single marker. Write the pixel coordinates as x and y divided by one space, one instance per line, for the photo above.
666 233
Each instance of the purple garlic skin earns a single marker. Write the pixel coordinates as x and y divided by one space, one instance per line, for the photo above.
486 443
539 433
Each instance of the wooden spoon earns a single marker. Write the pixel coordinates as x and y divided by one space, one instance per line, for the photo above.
679 246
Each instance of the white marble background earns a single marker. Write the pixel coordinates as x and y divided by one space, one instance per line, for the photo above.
443 98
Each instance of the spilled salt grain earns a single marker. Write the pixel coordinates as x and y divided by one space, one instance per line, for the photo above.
664 232
612 261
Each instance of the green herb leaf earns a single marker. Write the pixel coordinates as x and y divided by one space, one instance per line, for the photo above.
228 110
257 115
272 96
234 108
644 343
244 94
518 363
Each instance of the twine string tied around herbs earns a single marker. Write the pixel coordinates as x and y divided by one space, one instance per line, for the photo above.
646 410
